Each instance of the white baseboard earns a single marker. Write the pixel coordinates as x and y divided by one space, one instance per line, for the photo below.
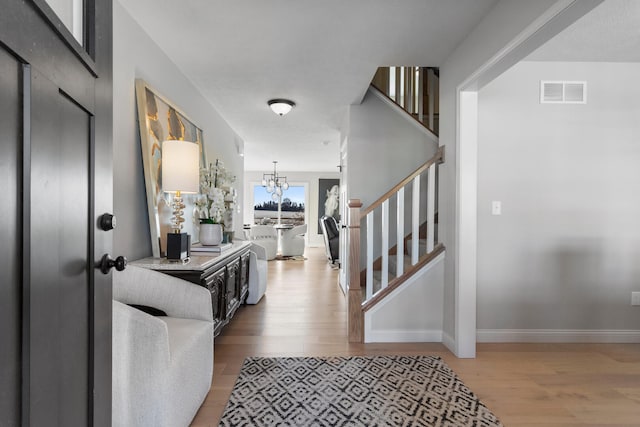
449 342
558 335
391 335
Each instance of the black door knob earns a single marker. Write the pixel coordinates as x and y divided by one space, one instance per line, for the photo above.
107 222
107 263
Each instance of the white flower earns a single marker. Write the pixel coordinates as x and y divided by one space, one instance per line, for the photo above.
211 202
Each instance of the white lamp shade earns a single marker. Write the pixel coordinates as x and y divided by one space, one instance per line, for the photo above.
180 167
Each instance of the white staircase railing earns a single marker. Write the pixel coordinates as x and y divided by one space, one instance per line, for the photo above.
415 89
385 267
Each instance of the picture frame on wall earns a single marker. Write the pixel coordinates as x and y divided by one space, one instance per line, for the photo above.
159 120
328 199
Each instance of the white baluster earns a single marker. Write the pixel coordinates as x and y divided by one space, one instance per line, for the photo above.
400 234
421 95
431 207
410 79
415 221
431 87
391 90
385 244
369 245
398 98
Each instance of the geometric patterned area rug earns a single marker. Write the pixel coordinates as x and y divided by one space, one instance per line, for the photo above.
352 391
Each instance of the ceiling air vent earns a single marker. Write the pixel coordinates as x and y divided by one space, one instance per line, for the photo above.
558 92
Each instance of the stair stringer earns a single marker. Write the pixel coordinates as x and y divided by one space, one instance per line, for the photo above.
411 313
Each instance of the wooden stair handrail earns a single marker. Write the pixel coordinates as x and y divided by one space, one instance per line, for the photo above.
437 158
395 283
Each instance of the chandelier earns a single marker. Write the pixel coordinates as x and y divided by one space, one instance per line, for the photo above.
274 183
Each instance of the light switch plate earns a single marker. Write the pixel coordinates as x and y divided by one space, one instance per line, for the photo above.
496 207
635 298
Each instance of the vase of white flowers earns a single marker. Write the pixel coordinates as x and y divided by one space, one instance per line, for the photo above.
211 203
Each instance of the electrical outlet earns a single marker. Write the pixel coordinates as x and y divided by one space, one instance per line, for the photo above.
496 207
635 298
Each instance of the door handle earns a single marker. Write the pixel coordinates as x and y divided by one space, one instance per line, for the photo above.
107 263
107 222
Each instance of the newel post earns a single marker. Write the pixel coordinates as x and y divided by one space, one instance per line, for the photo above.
355 315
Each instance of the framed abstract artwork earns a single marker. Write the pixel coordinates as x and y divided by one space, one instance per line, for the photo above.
160 121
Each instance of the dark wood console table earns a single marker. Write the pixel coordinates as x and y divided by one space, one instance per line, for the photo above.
225 275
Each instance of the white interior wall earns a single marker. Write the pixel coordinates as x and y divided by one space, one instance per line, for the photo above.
506 34
499 27
310 179
136 55
383 148
413 312
564 253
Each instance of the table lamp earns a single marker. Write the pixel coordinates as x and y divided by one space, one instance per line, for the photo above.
180 174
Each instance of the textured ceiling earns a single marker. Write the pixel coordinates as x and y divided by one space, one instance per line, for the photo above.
320 54
609 33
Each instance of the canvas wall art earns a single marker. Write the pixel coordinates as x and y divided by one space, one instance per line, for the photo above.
159 121
328 199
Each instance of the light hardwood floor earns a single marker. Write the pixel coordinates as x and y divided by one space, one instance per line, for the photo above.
304 314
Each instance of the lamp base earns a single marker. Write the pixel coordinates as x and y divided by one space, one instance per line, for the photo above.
178 246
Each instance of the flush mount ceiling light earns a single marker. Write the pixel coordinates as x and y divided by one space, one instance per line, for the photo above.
281 106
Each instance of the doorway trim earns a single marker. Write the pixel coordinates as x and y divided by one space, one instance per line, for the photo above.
553 21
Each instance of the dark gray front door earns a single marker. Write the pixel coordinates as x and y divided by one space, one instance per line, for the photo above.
55 175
